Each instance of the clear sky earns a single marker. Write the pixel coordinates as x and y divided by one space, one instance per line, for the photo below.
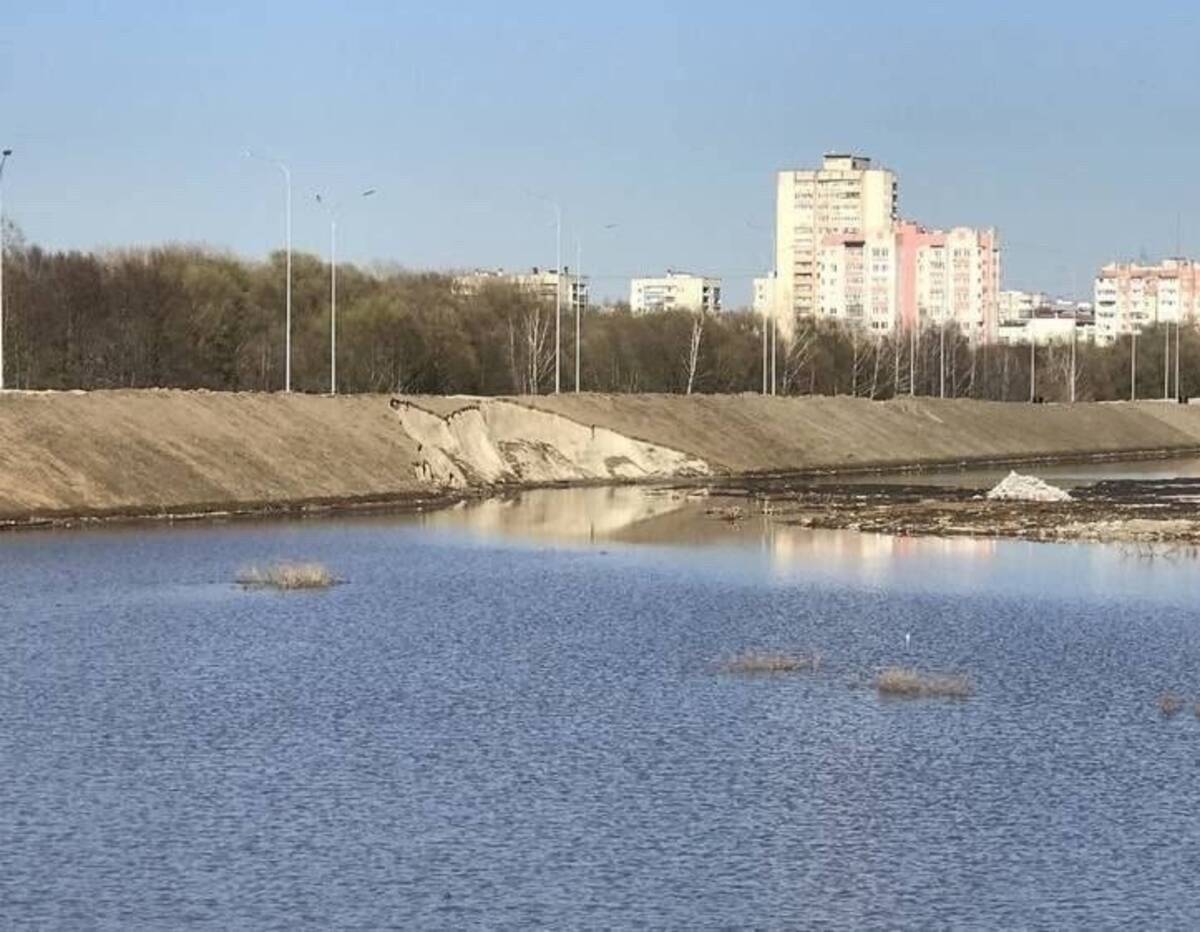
1072 127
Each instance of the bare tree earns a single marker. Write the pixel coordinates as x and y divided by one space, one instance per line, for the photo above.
692 357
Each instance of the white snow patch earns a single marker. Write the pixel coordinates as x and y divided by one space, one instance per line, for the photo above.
1018 488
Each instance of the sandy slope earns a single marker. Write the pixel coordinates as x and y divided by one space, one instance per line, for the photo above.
749 433
150 451
145 450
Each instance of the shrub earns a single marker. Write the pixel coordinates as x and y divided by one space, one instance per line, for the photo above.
286 576
768 662
1169 704
898 681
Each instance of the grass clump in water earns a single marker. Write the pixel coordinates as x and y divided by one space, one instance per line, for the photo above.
286 576
1169 704
913 684
771 662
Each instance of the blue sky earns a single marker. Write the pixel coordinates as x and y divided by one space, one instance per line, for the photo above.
1071 127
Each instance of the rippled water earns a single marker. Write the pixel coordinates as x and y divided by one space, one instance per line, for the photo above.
480 729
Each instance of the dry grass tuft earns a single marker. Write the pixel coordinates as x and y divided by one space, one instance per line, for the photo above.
286 576
1169 704
898 681
765 662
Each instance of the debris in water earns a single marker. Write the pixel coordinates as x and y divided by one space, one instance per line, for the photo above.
1018 488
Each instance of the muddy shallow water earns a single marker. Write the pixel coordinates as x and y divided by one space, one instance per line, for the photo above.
512 715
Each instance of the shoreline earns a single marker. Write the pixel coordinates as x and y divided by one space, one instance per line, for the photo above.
1147 512
812 500
129 456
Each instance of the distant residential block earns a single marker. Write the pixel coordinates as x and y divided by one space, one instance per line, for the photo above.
540 281
1053 322
1131 296
675 290
764 295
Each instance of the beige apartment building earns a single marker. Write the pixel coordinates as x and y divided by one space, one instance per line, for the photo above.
1130 296
846 196
675 290
858 279
542 282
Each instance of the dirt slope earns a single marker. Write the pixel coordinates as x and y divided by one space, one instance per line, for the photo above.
750 433
148 451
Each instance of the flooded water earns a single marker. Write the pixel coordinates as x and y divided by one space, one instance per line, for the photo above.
512 715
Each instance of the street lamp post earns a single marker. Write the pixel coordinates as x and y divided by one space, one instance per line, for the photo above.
3 158
1167 363
942 359
1133 365
557 298
771 314
1032 368
578 293
1178 391
333 209
1074 341
287 352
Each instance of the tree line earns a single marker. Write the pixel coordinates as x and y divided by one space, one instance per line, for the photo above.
189 317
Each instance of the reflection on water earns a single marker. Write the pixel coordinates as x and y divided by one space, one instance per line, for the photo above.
689 519
582 514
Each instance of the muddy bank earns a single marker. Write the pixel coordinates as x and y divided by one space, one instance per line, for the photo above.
177 453
1120 511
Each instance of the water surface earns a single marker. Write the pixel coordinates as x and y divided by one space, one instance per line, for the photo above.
512 716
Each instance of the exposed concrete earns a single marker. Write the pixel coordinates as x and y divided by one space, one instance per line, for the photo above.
176 452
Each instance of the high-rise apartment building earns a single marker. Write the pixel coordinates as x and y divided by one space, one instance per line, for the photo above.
842 252
846 196
1130 296
956 279
858 277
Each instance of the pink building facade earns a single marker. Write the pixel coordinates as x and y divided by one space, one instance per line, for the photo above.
1131 296
909 277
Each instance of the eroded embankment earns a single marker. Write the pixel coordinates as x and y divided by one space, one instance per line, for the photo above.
497 441
116 453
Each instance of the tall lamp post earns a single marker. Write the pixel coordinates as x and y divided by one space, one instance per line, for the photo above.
771 323
3 158
557 298
332 210
578 291
1133 364
287 180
